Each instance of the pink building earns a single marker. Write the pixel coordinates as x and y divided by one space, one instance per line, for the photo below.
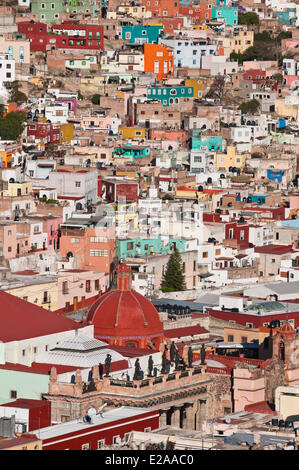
79 288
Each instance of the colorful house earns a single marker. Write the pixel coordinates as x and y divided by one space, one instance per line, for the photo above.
132 152
158 59
230 15
170 95
141 34
146 246
230 159
132 132
209 142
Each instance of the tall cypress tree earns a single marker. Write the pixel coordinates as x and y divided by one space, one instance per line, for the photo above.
174 279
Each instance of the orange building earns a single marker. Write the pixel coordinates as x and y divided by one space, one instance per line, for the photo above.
92 247
162 8
158 59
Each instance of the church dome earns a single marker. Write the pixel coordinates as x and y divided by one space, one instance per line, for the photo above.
124 317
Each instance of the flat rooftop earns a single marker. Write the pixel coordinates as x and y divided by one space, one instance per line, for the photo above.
106 417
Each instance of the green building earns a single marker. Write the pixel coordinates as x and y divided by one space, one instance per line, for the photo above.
170 95
132 248
132 152
48 11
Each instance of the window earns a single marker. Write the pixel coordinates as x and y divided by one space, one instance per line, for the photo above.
273 260
9 249
13 394
85 447
97 284
205 254
101 443
75 240
116 439
98 252
230 338
249 325
45 297
77 184
244 339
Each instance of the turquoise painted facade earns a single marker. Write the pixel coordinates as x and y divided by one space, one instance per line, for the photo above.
212 142
170 95
288 16
132 152
144 246
141 34
230 15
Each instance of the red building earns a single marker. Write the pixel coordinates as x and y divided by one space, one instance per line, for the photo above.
115 190
68 36
123 317
239 232
29 414
256 76
105 428
254 320
44 131
169 24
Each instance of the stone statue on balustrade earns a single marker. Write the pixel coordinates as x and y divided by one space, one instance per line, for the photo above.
190 357
137 372
108 364
150 366
172 352
165 364
203 354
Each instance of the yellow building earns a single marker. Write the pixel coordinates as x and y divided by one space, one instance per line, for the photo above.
237 43
185 192
230 159
246 335
34 293
132 132
126 216
129 174
197 86
66 132
19 189
134 11
286 110
5 159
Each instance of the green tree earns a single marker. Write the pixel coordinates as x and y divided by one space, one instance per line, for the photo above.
15 95
12 125
95 99
80 96
249 18
174 279
249 107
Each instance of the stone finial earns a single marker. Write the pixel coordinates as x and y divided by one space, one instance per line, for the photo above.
185 353
95 374
53 374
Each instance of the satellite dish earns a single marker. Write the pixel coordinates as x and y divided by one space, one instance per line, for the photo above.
227 420
91 412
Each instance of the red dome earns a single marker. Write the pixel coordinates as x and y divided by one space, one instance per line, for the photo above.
124 316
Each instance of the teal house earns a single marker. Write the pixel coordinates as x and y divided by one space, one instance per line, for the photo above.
210 142
132 152
230 15
170 95
288 16
146 246
141 34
